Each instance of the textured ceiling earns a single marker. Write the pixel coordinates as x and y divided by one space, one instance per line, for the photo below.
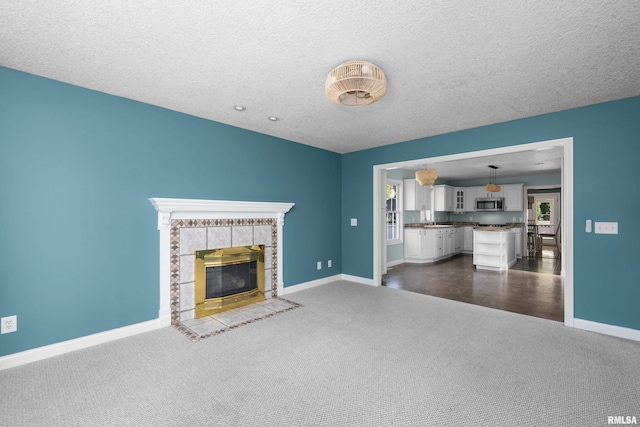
449 65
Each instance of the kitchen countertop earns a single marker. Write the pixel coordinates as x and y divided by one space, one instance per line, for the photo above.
440 225
475 225
506 227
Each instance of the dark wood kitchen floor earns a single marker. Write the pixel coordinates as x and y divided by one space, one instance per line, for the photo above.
533 286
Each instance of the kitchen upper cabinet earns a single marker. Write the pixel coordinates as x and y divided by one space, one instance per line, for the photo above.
459 198
470 194
482 193
443 198
449 199
513 197
416 196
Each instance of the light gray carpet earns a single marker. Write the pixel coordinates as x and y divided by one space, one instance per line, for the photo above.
354 355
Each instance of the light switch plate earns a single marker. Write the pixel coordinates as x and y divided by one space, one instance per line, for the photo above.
354 222
606 228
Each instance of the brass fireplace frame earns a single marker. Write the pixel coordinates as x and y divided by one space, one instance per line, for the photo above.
221 257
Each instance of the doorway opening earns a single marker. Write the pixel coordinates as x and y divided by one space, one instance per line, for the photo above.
565 146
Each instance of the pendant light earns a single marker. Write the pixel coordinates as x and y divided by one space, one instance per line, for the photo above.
426 176
492 186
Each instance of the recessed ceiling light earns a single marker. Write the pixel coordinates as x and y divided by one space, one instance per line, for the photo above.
239 108
273 118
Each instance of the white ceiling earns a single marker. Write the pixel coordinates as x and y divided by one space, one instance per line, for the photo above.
449 65
515 164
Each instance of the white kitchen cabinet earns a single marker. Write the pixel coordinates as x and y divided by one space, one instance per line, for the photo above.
482 193
412 243
493 250
464 199
420 245
470 194
467 240
437 239
448 236
448 199
416 196
426 245
443 198
513 197
459 240
459 197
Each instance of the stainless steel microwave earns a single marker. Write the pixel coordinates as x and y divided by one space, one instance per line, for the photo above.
492 204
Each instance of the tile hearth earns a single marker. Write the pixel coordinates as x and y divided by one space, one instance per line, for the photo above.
207 326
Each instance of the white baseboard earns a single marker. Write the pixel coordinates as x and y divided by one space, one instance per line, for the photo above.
164 318
358 279
603 328
396 262
45 352
312 284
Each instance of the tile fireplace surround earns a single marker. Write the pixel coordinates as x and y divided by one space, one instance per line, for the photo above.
187 225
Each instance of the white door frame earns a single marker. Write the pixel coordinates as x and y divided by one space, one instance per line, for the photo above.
567 207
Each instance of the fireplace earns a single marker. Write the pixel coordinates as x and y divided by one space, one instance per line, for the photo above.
228 278
189 225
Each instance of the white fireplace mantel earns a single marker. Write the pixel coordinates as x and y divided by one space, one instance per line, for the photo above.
175 209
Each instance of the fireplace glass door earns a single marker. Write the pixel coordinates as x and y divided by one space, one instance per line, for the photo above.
229 277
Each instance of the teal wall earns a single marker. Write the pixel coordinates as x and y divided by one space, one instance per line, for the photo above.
77 168
606 157
79 251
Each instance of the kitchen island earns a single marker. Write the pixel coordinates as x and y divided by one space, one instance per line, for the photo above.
494 248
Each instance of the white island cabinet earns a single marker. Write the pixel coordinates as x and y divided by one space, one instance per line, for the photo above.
493 249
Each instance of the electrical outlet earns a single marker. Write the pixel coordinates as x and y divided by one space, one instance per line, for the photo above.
329 264
319 265
9 324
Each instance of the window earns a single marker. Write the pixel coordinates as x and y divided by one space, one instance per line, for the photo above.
544 211
394 211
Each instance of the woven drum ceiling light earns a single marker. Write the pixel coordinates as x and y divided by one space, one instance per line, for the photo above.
356 83
426 176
